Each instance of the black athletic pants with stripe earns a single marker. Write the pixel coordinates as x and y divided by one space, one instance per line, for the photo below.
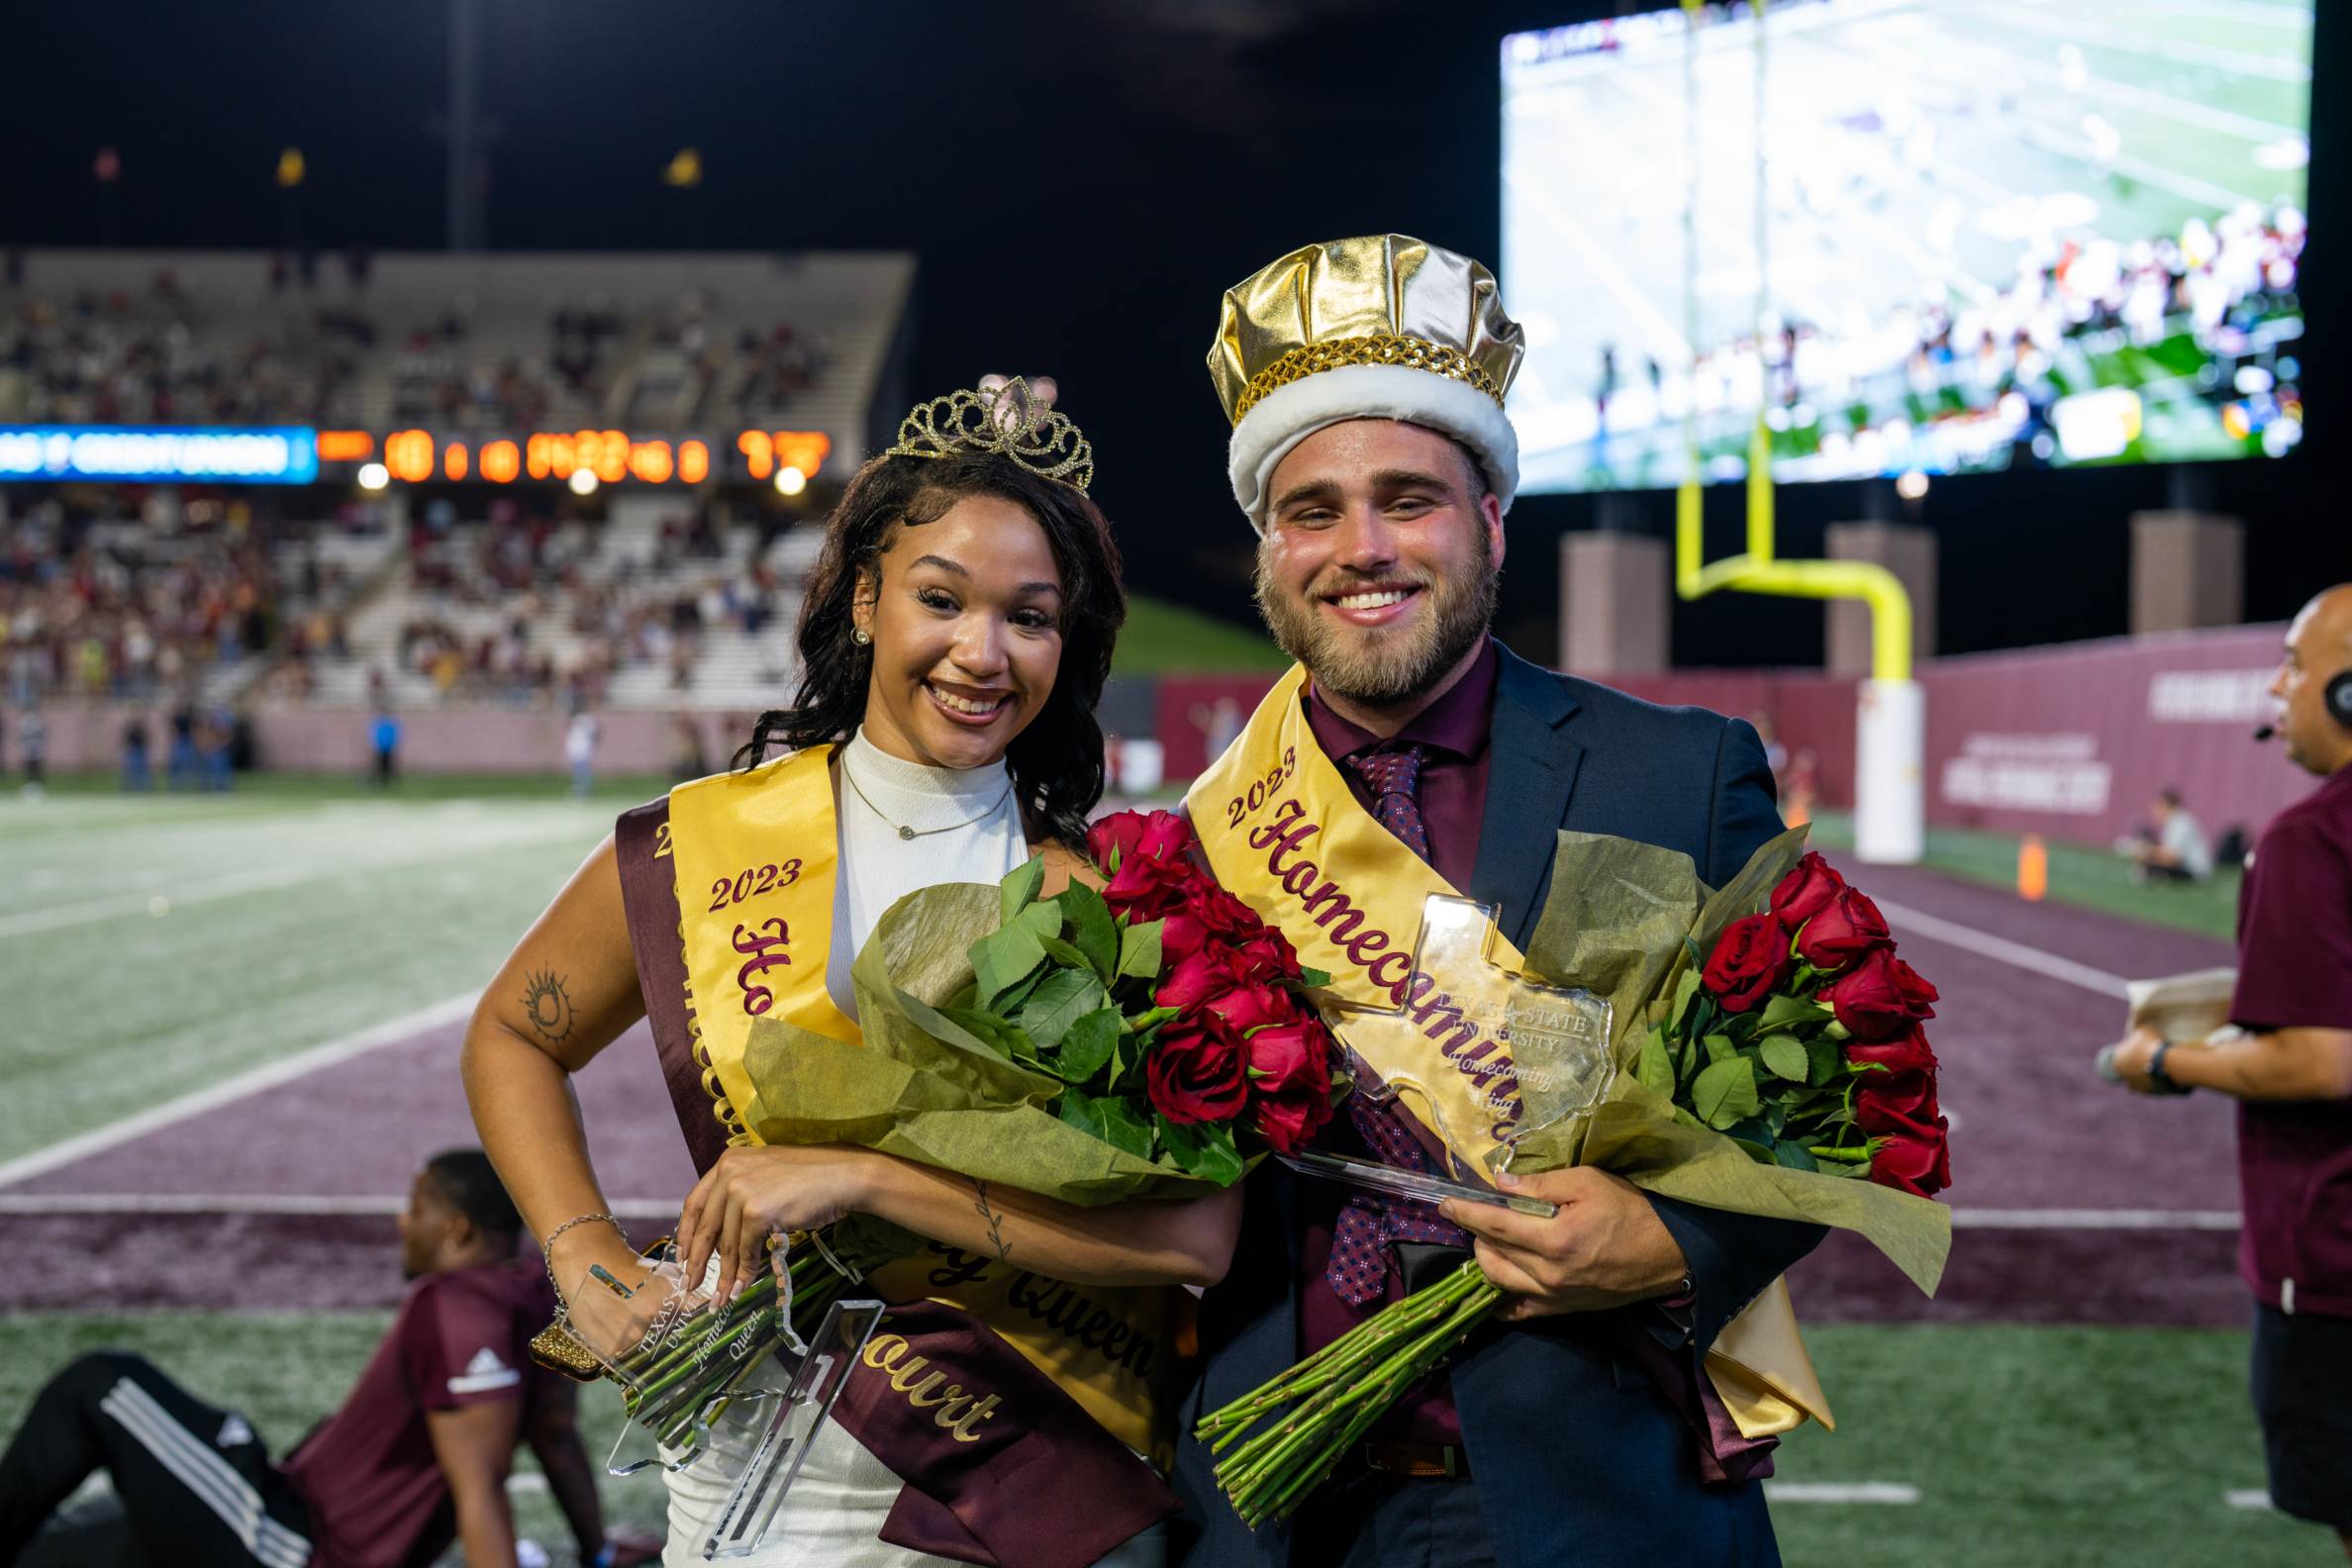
194 1480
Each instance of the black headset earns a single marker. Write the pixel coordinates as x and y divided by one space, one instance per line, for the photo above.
2338 697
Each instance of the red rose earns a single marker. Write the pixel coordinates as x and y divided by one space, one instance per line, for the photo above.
1908 1053
1869 999
1749 959
1916 992
1254 1007
1145 888
1197 1072
1156 836
1290 1070
1808 886
1920 1165
1841 931
1269 956
1194 979
1896 1102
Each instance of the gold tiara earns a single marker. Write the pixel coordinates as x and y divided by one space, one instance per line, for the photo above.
1007 419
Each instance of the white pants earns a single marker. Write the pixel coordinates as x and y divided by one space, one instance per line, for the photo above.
833 1516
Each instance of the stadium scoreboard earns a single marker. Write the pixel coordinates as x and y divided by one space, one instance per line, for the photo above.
415 455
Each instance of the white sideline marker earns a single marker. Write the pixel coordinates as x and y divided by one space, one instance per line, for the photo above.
2016 955
269 1075
1890 1492
2254 1500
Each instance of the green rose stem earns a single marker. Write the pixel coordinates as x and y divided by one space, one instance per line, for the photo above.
1340 1391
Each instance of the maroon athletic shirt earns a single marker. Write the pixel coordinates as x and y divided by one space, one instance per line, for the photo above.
376 1493
2295 969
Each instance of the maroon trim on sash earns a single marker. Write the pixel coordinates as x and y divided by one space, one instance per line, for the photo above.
1038 1484
649 902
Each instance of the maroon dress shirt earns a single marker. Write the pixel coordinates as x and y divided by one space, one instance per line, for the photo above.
1453 785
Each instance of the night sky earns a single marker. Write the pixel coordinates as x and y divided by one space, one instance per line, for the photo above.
1081 182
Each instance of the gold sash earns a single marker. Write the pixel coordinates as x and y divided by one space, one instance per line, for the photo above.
1283 832
757 856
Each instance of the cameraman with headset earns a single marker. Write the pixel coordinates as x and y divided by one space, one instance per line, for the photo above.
2290 1069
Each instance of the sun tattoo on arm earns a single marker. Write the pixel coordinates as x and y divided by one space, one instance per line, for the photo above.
995 1219
548 1005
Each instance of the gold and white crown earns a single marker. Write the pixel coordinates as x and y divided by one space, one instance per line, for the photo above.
1375 327
1009 420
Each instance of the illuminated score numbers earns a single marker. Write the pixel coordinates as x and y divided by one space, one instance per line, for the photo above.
416 456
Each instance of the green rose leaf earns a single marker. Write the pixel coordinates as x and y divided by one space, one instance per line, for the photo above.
1139 950
1823 1057
1720 1049
1314 978
1725 1093
1002 959
1785 1011
1202 1150
1092 930
1061 952
1683 990
1044 920
1061 999
1793 1155
1653 1069
1084 1111
1124 1127
1086 1044
1020 886
1785 1058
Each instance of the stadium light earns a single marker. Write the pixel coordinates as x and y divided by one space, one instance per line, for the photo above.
1911 486
374 476
583 481
790 480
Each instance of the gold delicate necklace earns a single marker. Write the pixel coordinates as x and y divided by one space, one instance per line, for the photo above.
905 831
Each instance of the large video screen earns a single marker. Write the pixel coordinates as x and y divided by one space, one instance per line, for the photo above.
1997 233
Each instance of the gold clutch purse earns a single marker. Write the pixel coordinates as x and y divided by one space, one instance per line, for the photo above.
556 1350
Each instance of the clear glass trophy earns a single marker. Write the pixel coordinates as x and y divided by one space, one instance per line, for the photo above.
765 1435
1556 1040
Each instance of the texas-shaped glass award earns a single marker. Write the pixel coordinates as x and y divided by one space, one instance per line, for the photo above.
1529 1055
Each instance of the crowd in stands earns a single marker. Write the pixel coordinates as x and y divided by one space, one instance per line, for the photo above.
537 574
124 357
99 606
164 356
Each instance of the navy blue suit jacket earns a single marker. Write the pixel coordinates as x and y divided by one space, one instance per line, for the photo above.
1577 1458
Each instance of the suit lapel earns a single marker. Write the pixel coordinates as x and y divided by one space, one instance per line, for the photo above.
1531 774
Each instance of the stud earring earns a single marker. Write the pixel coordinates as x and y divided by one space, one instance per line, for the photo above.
860 635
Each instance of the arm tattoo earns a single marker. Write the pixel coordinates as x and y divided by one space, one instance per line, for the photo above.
549 1005
995 1219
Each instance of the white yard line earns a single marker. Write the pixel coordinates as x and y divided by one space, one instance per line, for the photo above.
2254 1498
366 1206
1894 1492
2095 1219
161 901
269 1075
1987 945
358 1207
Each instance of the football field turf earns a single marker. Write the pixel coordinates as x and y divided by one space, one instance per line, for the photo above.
2090 1412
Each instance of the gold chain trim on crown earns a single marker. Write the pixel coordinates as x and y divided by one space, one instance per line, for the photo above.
1005 419
1414 353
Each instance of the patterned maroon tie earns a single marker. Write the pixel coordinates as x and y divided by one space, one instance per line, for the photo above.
1358 1270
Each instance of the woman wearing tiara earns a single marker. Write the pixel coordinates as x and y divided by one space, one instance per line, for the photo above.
956 636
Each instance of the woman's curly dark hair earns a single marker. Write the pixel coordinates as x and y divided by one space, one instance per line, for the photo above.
1057 762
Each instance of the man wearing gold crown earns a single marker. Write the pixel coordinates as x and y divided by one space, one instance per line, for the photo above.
1410 754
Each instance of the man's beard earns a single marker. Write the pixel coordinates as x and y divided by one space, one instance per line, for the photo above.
1384 669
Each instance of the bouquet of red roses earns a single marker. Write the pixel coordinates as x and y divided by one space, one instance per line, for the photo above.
1237 1046
1800 1037
1770 1060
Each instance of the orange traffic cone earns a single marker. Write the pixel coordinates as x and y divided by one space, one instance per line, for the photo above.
2033 868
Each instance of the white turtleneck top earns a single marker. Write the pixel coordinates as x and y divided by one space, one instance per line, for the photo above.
881 793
